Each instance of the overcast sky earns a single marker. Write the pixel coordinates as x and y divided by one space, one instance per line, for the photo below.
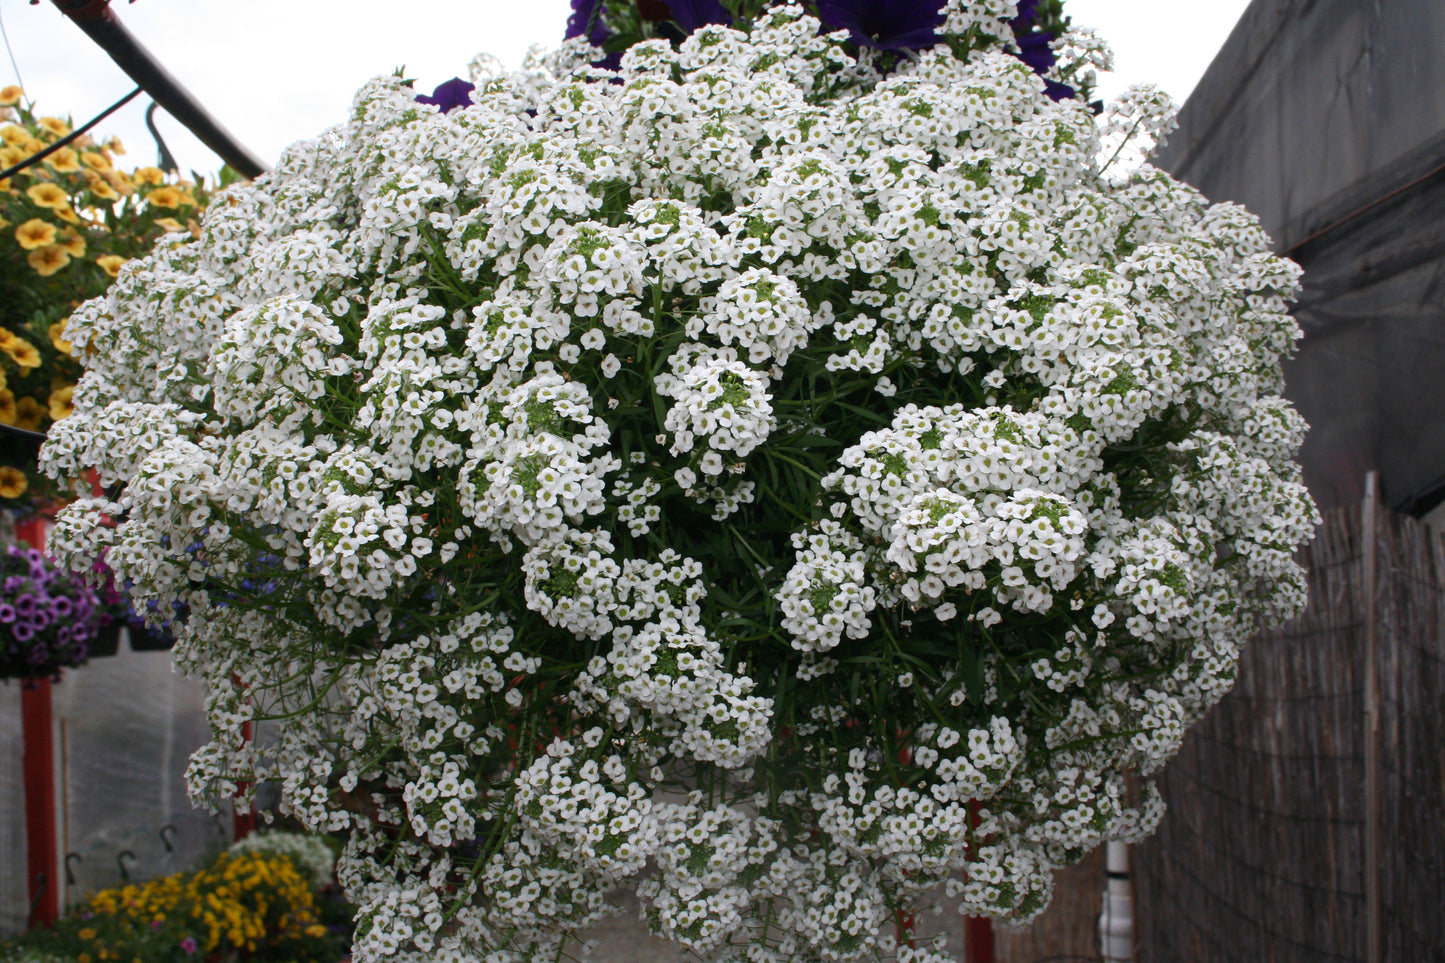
277 71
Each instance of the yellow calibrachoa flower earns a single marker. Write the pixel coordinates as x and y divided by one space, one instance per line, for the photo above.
65 160
10 156
22 352
95 160
35 233
55 125
101 189
170 225
12 485
110 264
57 330
153 176
61 402
67 215
48 195
10 96
121 181
14 134
73 243
48 260
165 197
7 406
29 414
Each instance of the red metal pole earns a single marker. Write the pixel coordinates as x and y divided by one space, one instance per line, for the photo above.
978 940
977 930
242 824
37 725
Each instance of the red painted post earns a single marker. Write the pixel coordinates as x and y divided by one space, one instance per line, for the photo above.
977 930
978 940
242 824
37 726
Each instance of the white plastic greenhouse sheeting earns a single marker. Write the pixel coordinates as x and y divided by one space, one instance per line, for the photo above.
124 728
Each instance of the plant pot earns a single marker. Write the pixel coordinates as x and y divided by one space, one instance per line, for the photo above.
146 639
106 642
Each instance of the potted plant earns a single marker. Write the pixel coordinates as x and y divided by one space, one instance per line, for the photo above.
812 465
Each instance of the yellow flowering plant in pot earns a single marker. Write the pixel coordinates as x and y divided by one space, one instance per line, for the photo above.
68 223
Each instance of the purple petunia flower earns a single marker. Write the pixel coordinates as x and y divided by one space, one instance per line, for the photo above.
586 21
449 96
885 24
190 945
692 14
1035 51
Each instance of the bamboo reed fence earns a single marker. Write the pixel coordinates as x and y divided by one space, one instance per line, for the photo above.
1305 820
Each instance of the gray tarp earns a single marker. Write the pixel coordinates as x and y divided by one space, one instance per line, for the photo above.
1327 119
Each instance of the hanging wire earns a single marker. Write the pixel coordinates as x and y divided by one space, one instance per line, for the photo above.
6 35
78 132
25 433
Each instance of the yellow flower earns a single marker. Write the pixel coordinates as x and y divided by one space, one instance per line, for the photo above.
73 243
188 197
55 125
65 160
35 233
48 259
7 406
115 146
95 161
62 398
12 485
22 352
87 934
29 414
67 215
10 96
170 225
57 330
153 176
110 263
14 135
48 195
101 189
165 197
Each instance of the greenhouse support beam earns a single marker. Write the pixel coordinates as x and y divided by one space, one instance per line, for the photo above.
101 24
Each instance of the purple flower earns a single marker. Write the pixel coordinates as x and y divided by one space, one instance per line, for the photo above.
189 945
1034 49
691 14
449 96
586 21
885 24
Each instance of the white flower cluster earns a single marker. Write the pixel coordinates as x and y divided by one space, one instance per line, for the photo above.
310 854
811 481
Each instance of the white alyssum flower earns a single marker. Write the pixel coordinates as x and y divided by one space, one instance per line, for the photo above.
750 476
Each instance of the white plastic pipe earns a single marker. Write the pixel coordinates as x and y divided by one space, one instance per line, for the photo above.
1116 921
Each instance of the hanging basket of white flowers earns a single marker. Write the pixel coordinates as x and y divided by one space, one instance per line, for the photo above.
778 475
